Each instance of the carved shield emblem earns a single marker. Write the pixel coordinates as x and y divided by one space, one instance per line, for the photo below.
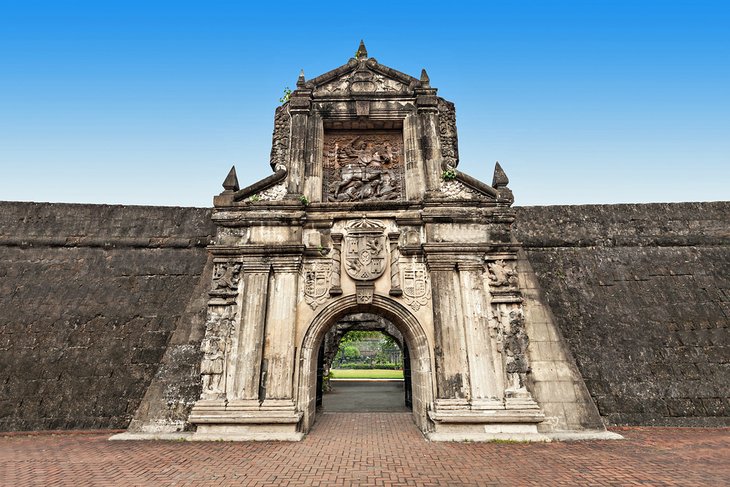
365 250
316 282
416 291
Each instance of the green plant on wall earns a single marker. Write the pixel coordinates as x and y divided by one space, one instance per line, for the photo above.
287 95
304 200
448 175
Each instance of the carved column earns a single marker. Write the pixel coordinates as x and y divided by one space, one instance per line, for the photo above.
395 289
219 329
508 322
452 372
280 332
485 391
246 374
336 289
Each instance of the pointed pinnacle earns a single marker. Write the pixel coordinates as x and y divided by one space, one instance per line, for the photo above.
361 53
425 80
500 179
301 80
231 181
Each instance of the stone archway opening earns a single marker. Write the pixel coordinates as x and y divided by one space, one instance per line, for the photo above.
361 367
342 314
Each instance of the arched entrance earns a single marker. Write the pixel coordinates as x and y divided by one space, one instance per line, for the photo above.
414 338
347 390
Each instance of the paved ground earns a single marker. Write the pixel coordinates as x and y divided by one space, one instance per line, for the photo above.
361 396
369 449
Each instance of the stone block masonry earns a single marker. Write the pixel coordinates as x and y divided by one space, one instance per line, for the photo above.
641 293
89 296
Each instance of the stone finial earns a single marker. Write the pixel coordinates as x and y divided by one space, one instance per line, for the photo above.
231 181
361 53
500 179
425 80
301 80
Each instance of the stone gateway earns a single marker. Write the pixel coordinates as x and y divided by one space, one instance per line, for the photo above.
367 213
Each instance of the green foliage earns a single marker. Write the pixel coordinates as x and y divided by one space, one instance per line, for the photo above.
254 198
287 95
448 175
358 336
368 366
304 200
367 374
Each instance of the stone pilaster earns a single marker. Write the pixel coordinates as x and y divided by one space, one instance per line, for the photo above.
452 370
414 177
335 287
485 388
395 289
246 375
299 109
428 130
313 168
280 330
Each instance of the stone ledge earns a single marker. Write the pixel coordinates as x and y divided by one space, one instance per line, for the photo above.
583 435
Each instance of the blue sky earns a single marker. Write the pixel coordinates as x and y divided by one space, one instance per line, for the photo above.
151 102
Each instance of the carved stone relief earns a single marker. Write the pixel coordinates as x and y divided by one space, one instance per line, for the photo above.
218 330
458 191
447 133
502 274
363 166
515 347
274 193
416 286
361 80
226 278
316 277
280 138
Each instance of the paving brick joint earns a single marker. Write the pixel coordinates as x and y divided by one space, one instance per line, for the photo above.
369 449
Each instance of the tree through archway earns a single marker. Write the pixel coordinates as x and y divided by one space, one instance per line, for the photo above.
361 367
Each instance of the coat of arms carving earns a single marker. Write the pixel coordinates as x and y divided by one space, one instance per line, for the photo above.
365 250
416 289
316 282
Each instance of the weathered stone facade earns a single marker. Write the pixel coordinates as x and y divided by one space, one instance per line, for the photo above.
375 219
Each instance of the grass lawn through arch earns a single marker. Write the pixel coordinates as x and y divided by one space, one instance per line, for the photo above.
366 374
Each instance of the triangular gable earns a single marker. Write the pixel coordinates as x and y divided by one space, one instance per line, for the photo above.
362 76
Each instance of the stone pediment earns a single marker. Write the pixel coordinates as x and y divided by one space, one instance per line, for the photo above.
362 76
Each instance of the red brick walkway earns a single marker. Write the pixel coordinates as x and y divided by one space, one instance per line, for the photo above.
369 449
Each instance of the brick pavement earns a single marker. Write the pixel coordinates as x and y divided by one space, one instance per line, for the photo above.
369 449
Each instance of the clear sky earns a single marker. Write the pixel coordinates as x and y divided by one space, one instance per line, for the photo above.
151 102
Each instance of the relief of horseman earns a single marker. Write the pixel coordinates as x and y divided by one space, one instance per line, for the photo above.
362 172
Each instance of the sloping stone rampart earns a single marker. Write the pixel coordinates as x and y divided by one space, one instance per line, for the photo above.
641 293
89 296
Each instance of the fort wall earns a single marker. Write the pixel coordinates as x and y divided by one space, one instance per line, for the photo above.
641 294
89 297
97 300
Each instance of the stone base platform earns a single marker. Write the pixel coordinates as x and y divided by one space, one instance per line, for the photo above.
487 420
219 420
